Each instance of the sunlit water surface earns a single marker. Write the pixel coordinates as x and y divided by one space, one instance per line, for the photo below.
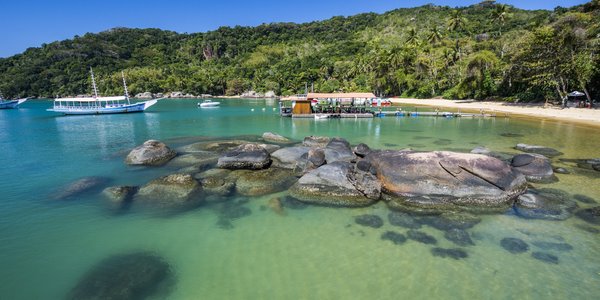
47 245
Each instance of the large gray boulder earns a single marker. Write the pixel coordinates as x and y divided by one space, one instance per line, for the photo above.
275 138
535 167
287 158
446 180
316 141
151 153
546 151
338 149
247 156
171 191
330 185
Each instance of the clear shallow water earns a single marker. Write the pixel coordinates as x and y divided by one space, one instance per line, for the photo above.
315 253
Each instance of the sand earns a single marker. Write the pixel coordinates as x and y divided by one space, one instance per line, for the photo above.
580 115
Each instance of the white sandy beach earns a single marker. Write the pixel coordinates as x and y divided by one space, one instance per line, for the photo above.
582 115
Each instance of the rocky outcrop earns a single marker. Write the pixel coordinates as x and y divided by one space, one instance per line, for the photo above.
287 158
548 204
315 141
338 149
151 153
252 94
247 156
546 151
330 185
275 138
446 180
171 191
145 95
535 167
270 94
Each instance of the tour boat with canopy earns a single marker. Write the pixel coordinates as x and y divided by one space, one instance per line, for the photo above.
100 105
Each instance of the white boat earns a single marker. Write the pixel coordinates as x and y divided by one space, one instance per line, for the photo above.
8 104
321 116
100 105
209 103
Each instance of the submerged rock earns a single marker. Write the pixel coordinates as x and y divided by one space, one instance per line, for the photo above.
454 253
402 219
394 237
288 157
451 220
590 215
549 204
246 156
514 245
421 237
511 134
584 199
315 141
338 149
276 206
120 196
553 246
546 151
373 221
292 203
151 153
81 186
203 158
128 276
171 191
263 182
446 180
481 150
219 146
561 170
545 257
275 138
459 237
535 167
329 185
217 185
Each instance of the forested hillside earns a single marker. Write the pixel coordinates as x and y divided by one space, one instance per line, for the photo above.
484 51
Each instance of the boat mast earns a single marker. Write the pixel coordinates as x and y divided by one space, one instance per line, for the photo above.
125 86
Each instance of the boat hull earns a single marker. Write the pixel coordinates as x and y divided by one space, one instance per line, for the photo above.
121 109
10 104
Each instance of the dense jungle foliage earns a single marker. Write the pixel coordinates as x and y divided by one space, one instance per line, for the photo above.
484 51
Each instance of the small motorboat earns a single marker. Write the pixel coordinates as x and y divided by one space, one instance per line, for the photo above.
321 116
7 104
208 103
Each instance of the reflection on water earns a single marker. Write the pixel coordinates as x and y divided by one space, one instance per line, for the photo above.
251 248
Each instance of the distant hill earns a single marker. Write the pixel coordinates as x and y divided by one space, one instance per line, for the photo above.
482 51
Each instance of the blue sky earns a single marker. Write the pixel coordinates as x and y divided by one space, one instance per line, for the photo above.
29 23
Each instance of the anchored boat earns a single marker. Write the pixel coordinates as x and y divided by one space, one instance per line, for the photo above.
100 105
8 104
209 103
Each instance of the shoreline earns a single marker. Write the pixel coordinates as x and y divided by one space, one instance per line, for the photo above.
577 115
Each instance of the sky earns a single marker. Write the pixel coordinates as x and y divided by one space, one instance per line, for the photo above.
30 23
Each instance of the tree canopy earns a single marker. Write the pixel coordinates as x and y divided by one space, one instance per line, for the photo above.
483 51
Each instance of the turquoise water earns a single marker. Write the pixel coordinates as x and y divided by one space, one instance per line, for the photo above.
47 245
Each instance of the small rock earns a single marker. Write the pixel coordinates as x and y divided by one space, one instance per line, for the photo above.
514 245
362 150
276 206
247 156
81 186
403 220
590 215
549 204
421 237
459 236
369 221
545 257
546 151
560 170
454 253
481 150
120 195
315 141
275 138
553 246
535 167
394 237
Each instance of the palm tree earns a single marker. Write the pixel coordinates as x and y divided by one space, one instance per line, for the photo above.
456 21
500 15
413 37
435 35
